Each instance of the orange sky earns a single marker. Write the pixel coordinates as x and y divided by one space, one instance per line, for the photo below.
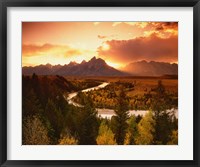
119 43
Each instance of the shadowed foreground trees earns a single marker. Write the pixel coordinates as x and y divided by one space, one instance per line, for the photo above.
165 123
49 119
119 122
34 131
132 131
87 123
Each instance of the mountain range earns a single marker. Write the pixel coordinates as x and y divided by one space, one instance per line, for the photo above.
151 68
98 67
94 67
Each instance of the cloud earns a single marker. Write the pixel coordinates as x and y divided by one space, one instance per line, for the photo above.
150 48
162 29
106 36
96 23
166 25
102 36
73 52
155 25
31 50
116 23
170 28
136 24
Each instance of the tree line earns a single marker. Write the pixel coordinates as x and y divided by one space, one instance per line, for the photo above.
107 97
47 118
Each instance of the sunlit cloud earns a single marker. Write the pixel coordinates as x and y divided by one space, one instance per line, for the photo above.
116 42
137 24
45 49
102 36
107 36
105 46
116 23
96 23
54 54
115 65
162 29
151 48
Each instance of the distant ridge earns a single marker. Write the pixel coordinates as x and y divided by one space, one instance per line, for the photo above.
94 67
152 68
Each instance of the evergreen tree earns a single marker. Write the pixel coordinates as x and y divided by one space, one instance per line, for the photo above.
87 123
163 128
30 105
131 131
54 116
119 122
163 120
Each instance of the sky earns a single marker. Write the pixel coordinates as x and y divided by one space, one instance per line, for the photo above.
118 43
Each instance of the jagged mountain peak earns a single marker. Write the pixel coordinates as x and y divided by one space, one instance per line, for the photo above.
83 62
72 63
94 67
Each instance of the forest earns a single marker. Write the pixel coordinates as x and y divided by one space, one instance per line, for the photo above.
48 119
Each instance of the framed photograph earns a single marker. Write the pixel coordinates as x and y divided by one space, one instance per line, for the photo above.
99 83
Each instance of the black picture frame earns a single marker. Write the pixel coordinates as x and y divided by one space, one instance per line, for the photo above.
98 3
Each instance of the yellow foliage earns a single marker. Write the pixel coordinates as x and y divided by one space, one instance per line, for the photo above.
145 130
174 138
127 140
68 140
106 136
34 132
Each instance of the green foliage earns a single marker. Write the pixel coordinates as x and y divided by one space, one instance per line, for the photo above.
107 97
49 119
106 136
55 118
87 123
131 131
87 83
34 132
146 130
119 122
163 128
159 98
30 105
164 122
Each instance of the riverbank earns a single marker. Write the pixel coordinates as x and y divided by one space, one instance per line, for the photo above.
105 112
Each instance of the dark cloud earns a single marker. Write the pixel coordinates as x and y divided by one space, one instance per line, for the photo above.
151 48
165 26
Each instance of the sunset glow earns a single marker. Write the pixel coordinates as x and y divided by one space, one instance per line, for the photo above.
118 43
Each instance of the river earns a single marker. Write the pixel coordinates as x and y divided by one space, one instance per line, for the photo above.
72 95
108 113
